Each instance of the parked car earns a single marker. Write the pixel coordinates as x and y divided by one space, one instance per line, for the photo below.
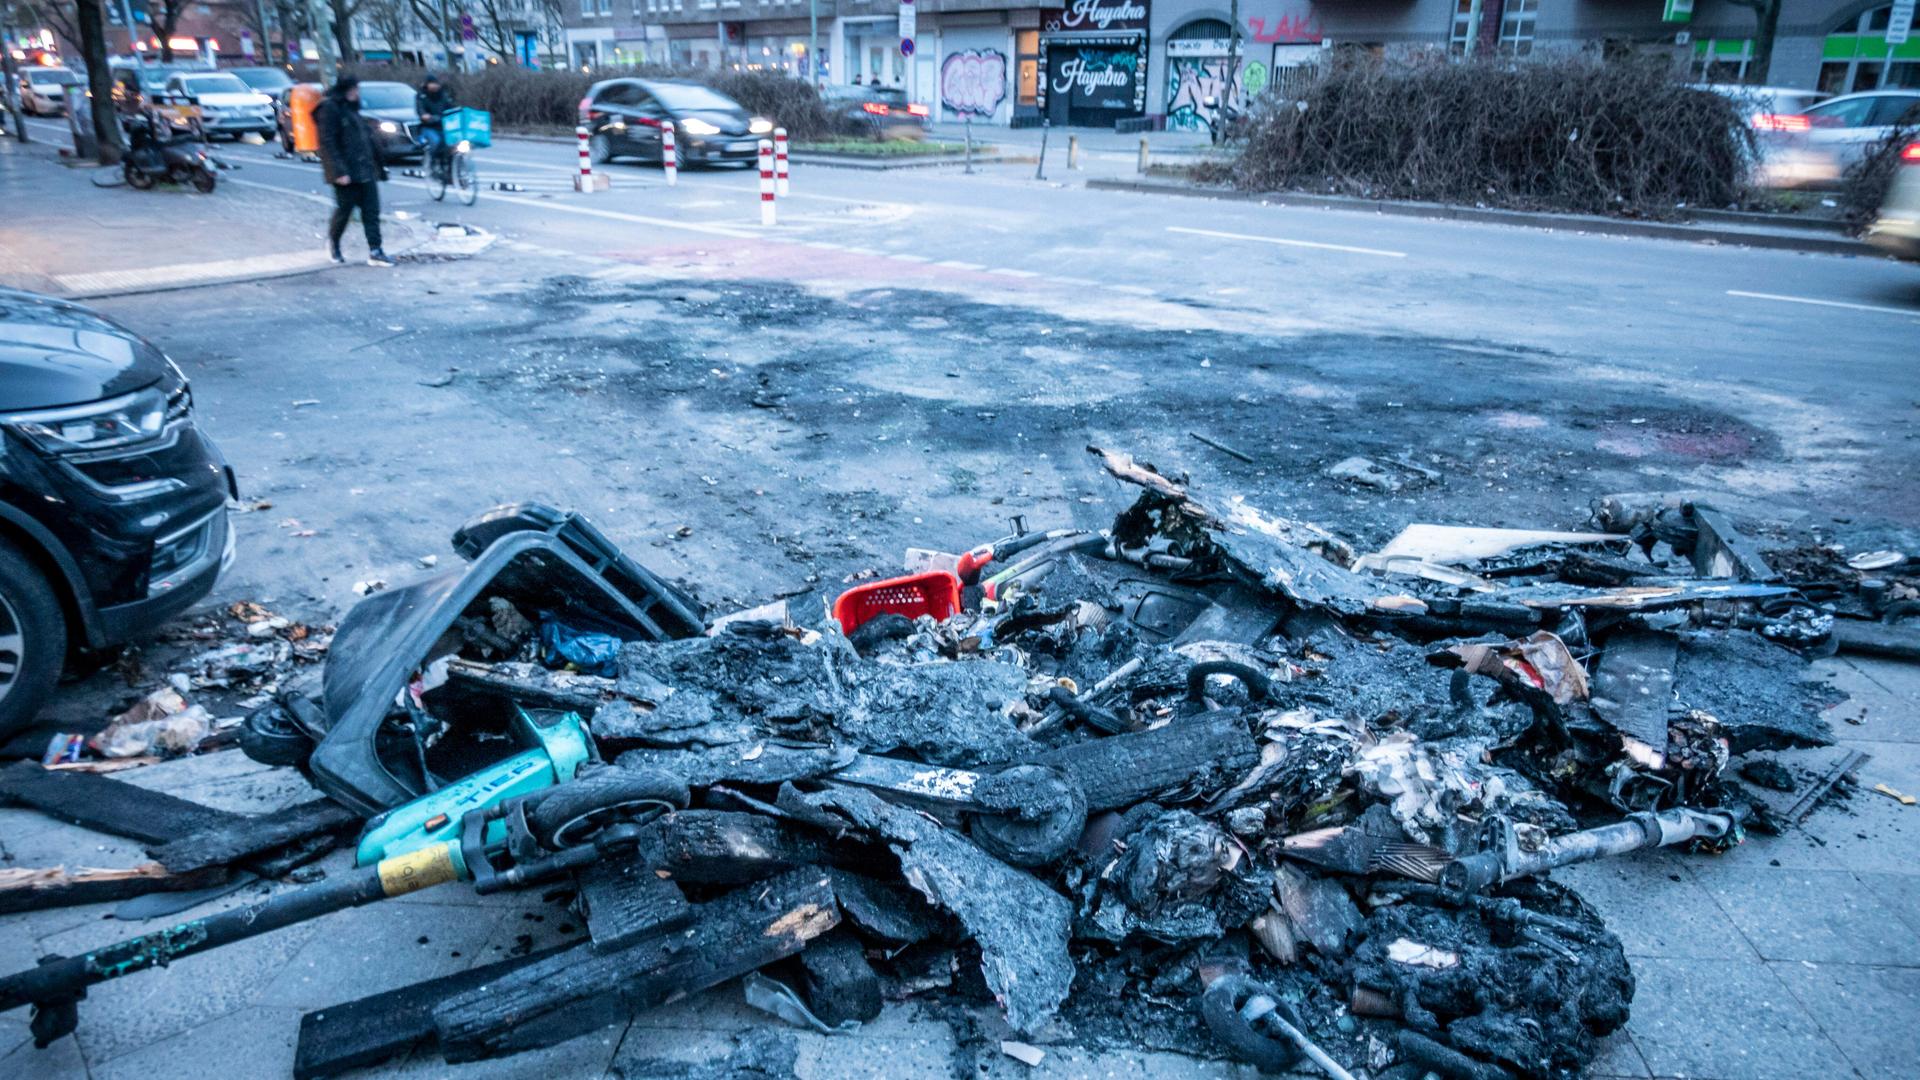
43 90
271 81
1897 227
227 106
884 111
387 109
113 505
625 118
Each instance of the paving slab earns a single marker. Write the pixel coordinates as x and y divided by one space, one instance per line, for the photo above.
1619 1059
586 1057
1826 916
257 1041
1657 907
1872 832
1872 711
61 1061
377 948
1726 1020
1868 1010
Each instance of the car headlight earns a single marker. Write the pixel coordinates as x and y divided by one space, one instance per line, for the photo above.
696 126
389 127
105 425
760 126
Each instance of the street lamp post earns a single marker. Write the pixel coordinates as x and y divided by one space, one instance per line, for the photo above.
813 41
11 92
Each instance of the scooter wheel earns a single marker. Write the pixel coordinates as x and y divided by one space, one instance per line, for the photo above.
598 796
1220 1008
204 181
271 737
138 179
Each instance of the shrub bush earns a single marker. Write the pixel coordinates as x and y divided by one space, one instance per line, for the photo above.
1864 186
521 98
1568 133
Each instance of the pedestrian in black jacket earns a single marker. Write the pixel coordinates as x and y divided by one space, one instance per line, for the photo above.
352 166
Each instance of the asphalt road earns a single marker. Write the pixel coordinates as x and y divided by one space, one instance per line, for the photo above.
909 358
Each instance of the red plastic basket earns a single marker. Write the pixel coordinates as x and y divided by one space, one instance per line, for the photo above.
936 594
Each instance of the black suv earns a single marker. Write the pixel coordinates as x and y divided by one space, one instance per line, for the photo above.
625 116
113 506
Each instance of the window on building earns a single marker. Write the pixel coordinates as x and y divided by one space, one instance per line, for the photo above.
606 7
1857 56
1466 26
1717 60
586 9
1026 48
1516 26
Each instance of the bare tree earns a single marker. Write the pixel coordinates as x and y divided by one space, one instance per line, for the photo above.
1766 15
59 16
90 26
429 13
343 15
165 17
391 19
495 22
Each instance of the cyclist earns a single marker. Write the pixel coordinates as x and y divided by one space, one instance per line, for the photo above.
432 102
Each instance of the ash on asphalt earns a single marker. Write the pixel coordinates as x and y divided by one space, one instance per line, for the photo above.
1514 437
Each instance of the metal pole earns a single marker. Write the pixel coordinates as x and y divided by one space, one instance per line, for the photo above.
1040 170
813 43
323 40
968 118
266 34
126 14
13 85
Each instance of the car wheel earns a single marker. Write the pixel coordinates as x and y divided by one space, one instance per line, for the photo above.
33 639
600 149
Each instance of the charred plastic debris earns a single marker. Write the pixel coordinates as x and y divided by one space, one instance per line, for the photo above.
1208 780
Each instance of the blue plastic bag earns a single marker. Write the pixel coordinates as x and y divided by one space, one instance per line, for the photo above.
589 651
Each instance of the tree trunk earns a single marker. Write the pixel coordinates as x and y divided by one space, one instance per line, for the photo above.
93 45
1768 17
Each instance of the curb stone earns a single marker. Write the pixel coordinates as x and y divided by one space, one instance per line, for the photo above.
1798 237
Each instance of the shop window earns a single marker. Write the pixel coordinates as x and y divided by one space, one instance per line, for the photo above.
1856 56
1516 26
1466 18
1718 61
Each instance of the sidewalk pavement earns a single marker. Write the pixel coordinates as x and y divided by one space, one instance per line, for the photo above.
65 236
1785 958
1099 140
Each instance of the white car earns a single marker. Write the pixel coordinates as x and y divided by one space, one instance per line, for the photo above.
43 90
1778 117
1822 143
1897 229
227 105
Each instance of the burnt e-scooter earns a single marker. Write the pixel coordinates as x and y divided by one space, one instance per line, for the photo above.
178 159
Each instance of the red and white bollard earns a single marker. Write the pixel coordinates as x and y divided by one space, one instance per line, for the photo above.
766 182
584 182
669 161
780 162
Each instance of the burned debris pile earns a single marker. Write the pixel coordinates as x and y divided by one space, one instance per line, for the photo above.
1209 780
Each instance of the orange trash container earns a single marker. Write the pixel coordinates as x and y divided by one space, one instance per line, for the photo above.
300 102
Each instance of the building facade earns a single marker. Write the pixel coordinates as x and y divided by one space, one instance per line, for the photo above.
1153 63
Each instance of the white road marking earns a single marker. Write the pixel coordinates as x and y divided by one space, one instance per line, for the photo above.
1137 290
955 264
637 219
1289 243
1013 273
904 257
1909 313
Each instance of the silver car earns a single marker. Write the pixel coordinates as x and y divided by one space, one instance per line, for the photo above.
1778 117
43 90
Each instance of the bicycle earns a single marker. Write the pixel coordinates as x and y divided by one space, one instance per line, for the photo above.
461 130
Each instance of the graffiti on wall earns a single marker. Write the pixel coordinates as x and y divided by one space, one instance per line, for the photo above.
1194 80
1285 30
974 82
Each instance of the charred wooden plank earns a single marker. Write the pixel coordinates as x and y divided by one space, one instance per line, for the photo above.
31 889
721 847
626 901
372 1029
886 910
579 991
106 805
232 841
840 984
1212 750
